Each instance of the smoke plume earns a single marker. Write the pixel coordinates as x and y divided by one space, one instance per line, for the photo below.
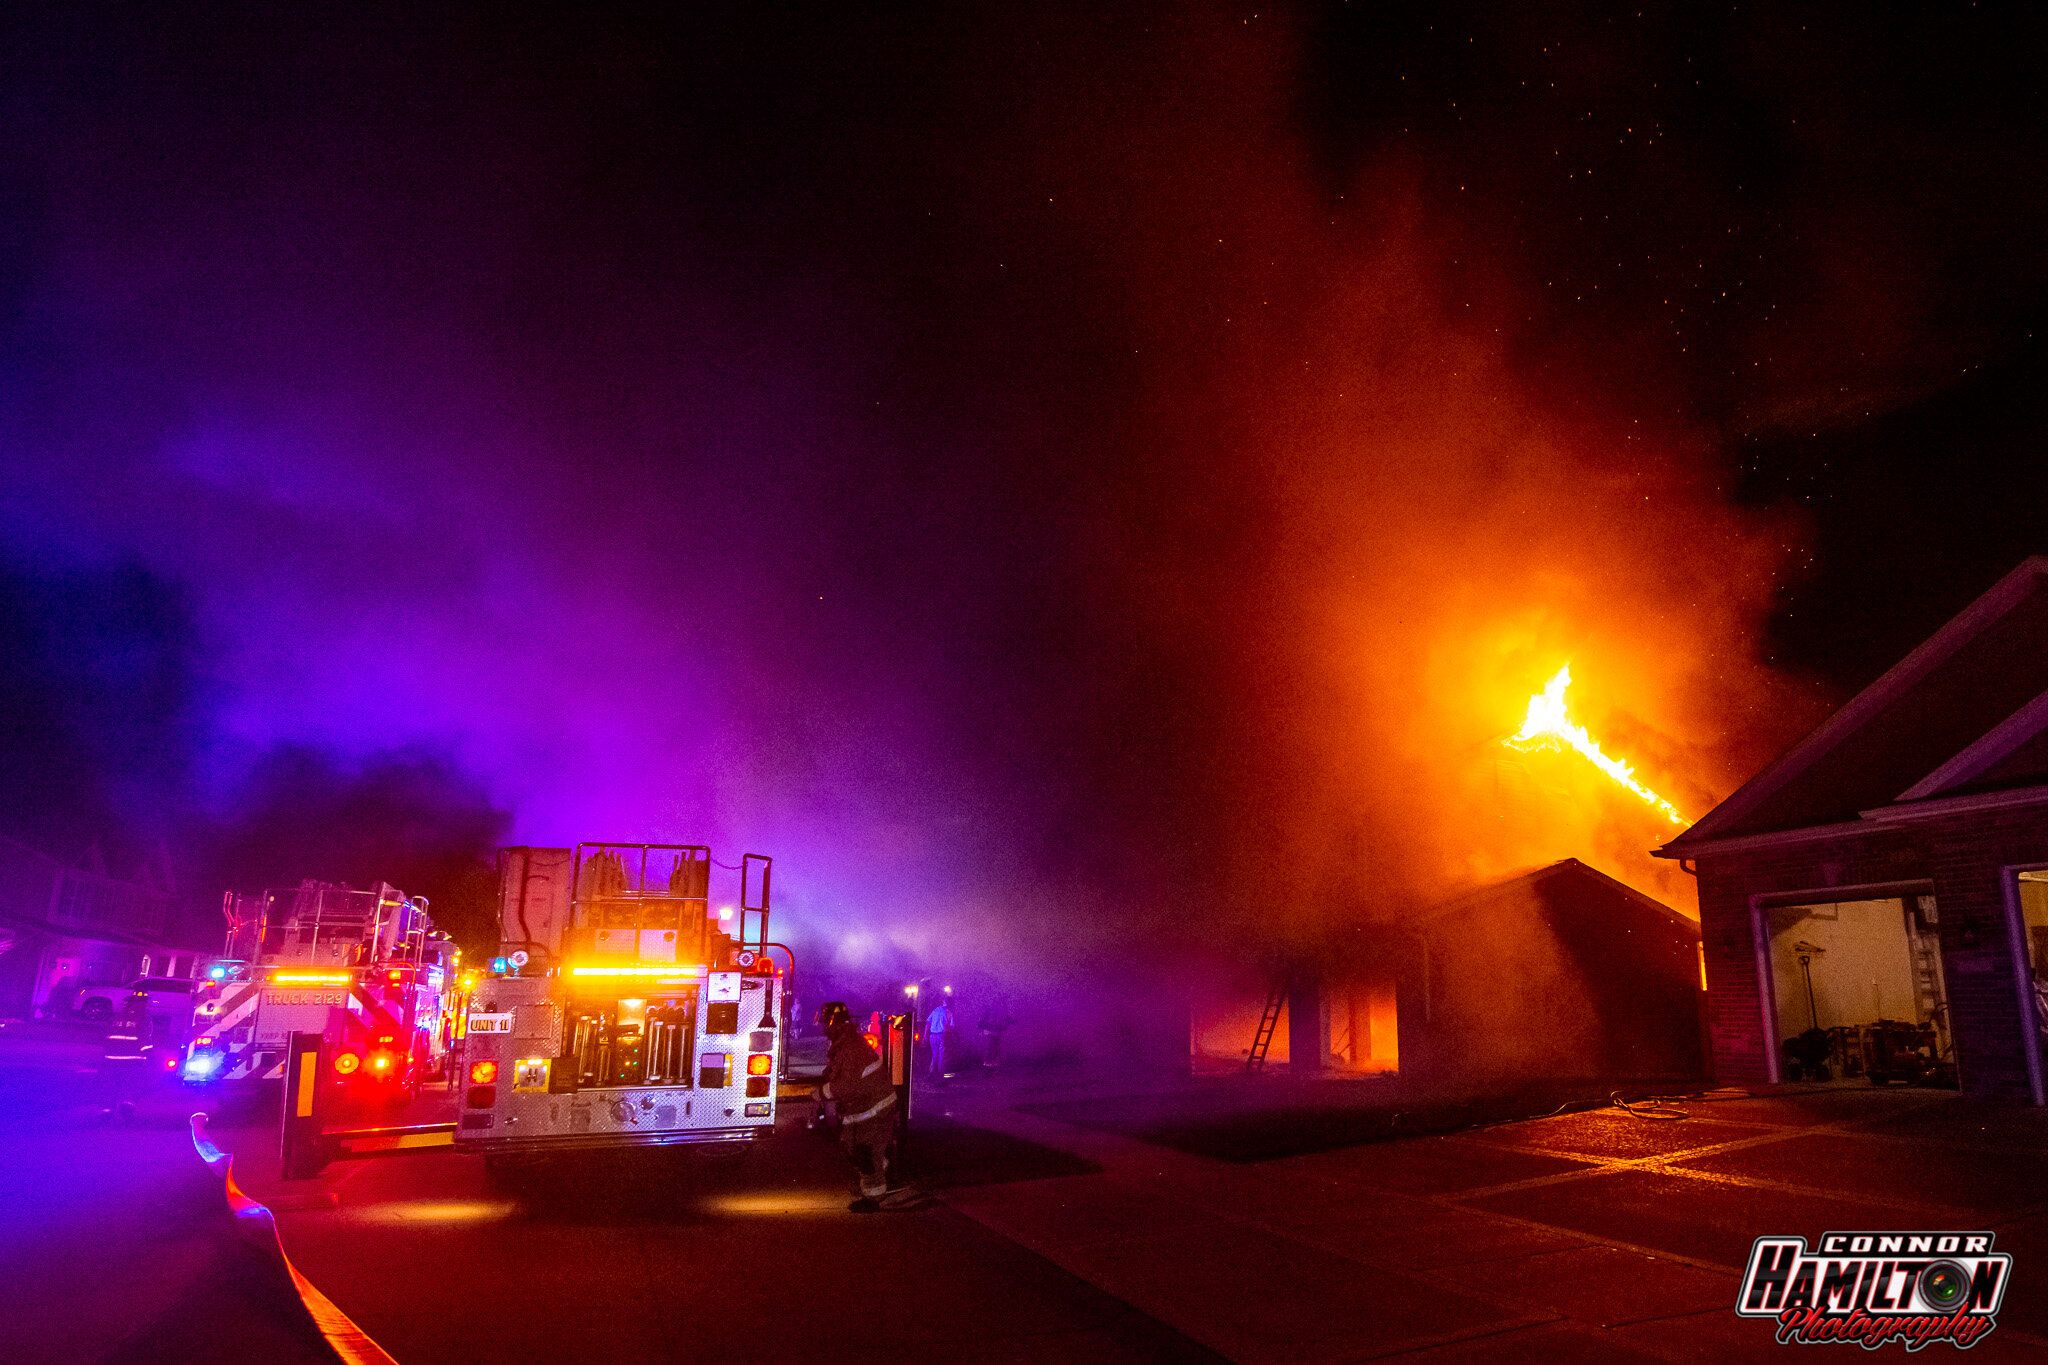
1056 482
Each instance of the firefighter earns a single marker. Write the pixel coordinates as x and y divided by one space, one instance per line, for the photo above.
857 1082
124 1062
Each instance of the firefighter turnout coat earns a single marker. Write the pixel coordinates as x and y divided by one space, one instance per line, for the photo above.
857 1081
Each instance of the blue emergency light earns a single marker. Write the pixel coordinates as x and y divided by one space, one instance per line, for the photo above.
499 966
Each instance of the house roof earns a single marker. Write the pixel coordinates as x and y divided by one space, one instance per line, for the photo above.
1570 870
1965 714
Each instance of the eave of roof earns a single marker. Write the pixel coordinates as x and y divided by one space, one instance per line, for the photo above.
1992 748
1902 812
1563 867
2003 596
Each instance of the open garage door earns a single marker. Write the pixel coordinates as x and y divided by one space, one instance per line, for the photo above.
1860 992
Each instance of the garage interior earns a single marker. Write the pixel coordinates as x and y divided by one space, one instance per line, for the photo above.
1860 991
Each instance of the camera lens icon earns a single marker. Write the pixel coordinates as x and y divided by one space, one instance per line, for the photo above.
1943 1286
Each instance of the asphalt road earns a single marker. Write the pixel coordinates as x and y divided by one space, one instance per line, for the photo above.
112 1246
683 1256
115 1243
1106 1230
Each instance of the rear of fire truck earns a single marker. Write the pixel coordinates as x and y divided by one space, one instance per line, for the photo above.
632 1009
365 969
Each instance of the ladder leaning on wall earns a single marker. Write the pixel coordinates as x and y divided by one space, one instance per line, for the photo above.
1276 1001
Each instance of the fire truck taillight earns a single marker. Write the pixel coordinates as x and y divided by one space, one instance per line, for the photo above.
382 1063
760 1064
346 1063
483 1073
483 1096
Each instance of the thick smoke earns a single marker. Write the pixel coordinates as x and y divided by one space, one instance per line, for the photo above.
1063 485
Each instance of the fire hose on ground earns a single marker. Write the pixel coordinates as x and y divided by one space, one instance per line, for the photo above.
257 1226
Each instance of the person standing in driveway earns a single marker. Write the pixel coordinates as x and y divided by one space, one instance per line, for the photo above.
937 1024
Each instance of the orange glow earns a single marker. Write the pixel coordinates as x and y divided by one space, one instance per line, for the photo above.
310 978
1546 724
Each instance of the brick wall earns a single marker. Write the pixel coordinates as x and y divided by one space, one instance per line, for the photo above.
1962 855
1969 857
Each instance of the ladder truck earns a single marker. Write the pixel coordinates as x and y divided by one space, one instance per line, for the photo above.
628 1007
367 970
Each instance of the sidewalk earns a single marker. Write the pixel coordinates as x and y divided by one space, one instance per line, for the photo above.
1593 1236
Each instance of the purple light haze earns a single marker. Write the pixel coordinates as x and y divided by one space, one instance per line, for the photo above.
965 458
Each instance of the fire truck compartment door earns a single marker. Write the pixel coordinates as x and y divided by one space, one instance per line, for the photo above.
286 1012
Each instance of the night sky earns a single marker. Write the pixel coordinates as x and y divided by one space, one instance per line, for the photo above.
1051 478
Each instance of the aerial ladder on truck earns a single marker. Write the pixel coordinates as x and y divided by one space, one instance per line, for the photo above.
366 971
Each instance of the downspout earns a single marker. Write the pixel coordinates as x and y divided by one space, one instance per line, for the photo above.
1425 973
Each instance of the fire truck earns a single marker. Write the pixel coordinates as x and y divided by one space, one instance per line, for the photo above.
365 969
633 1009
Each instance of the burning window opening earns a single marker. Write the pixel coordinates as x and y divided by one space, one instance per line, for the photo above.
1547 723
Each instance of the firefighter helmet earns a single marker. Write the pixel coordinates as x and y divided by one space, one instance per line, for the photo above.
834 1016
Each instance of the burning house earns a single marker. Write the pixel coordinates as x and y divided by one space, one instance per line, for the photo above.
1562 973
1875 902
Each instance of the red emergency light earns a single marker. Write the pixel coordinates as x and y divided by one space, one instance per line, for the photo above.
760 1064
483 1073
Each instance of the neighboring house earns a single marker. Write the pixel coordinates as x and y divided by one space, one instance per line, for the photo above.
1563 973
67 929
1889 873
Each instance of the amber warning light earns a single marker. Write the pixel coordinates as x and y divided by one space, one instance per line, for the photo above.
655 970
1547 725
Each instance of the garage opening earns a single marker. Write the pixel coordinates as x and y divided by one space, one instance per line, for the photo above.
2034 916
1364 1032
1860 993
